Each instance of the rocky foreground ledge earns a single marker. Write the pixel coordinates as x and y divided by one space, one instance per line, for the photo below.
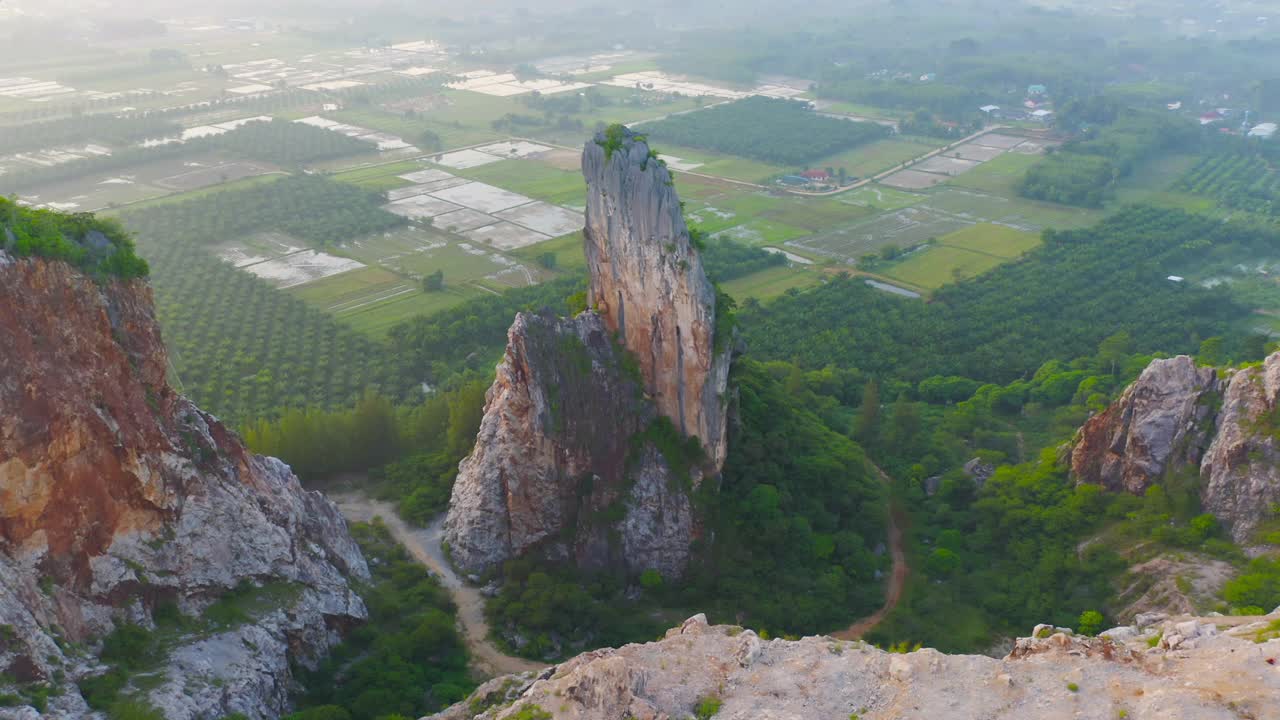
1173 669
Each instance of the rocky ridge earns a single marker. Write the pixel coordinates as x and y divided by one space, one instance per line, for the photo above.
118 495
597 427
1172 669
1180 418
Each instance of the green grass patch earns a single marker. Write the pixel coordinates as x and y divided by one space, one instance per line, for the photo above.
874 158
534 179
940 265
769 283
998 240
380 177
568 252
998 175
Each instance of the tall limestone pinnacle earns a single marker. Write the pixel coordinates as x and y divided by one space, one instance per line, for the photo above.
648 285
597 427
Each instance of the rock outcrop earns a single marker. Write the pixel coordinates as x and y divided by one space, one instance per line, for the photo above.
648 285
117 495
1162 420
1180 418
1195 672
589 445
1240 474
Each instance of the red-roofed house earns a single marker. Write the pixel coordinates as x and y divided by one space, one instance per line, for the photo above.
816 175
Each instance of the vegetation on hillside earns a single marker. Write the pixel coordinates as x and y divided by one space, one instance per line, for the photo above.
96 245
408 660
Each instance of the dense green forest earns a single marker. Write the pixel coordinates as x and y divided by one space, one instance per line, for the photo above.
783 132
310 208
1060 300
279 142
97 245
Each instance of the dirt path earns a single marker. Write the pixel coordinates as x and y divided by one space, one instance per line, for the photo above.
897 577
424 546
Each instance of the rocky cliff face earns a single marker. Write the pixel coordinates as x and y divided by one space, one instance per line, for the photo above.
648 285
582 454
1161 421
118 495
1195 672
1177 417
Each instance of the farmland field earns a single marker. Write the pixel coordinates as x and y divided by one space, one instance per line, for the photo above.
380 177
533 178
998 175
962 254
769 283
873 158
998 240
936 266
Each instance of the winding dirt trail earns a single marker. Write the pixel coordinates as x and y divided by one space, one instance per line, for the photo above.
424 545
897 578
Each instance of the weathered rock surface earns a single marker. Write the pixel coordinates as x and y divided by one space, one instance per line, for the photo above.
648 284
1161 421
117 494
1177 417
561 466
1240 474
1208 675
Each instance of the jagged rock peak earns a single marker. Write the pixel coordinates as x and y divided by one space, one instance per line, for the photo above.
117 494
1160 421
648 284
1195 671
565 464
1181 418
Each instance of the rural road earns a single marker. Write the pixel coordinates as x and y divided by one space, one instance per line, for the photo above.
897 578
424 546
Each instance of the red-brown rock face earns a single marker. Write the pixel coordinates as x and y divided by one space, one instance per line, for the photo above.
560 466
116 492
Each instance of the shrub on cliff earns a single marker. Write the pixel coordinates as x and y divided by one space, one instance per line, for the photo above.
96 245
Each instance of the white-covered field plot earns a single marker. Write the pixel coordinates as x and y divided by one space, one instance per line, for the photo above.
385 142
514 149
282 261
944 165
302 267
481 212
422 177
913 180
482 197
464 159
505 236
462 220
550 220
420 207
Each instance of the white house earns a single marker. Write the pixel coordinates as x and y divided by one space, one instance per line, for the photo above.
1266 131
